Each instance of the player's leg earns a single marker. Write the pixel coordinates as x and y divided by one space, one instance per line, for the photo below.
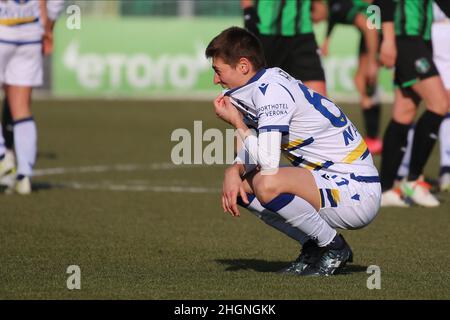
298 203
264 189
308 246
360 83
273 219
394 146
25 135
2 153
7 125
270 218
416 74
349 202
24 72
6 165
432 91
6 159
369 101
403 170
423 140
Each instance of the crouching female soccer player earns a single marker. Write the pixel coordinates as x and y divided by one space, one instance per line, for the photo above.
332 183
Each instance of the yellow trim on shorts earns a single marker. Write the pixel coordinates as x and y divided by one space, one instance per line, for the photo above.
336 195
320 196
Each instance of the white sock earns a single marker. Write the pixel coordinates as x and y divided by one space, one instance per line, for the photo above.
300 214
275 220
25 140
444 141
403 170
2 143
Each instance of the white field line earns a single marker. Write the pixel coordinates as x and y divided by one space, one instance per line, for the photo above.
123 187
140 188
106 168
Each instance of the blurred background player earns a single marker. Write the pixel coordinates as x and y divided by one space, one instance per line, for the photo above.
25 35
285 30
407 44
440 38
354 12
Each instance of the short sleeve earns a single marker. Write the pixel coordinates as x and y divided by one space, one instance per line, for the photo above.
387 8
275 106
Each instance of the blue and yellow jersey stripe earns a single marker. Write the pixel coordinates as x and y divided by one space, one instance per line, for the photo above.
361 151
297 144
297 160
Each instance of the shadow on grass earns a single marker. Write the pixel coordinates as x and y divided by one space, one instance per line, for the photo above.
252 264
41 186
273 266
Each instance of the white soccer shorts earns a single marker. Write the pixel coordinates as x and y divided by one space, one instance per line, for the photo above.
348 201
21 65
441 50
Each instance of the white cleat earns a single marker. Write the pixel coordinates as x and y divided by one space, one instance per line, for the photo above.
444 182
9 179
7 165
393 198
419 192
21 186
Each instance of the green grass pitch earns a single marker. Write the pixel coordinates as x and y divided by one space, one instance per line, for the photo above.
107 200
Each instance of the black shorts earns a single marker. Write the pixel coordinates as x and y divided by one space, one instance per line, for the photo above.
414 61
362 43
297 55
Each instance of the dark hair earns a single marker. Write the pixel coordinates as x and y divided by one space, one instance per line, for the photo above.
235 43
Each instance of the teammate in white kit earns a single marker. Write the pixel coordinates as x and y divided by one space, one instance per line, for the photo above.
25 34
332 182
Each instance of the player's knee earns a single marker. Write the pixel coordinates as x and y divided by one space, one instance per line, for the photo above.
265 189
404 115
439 106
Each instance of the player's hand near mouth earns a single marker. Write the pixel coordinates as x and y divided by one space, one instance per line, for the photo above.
232 186
227 112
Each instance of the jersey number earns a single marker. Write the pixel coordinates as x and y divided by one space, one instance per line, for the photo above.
316 100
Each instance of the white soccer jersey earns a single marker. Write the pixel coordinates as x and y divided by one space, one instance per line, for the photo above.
20 20
317 135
